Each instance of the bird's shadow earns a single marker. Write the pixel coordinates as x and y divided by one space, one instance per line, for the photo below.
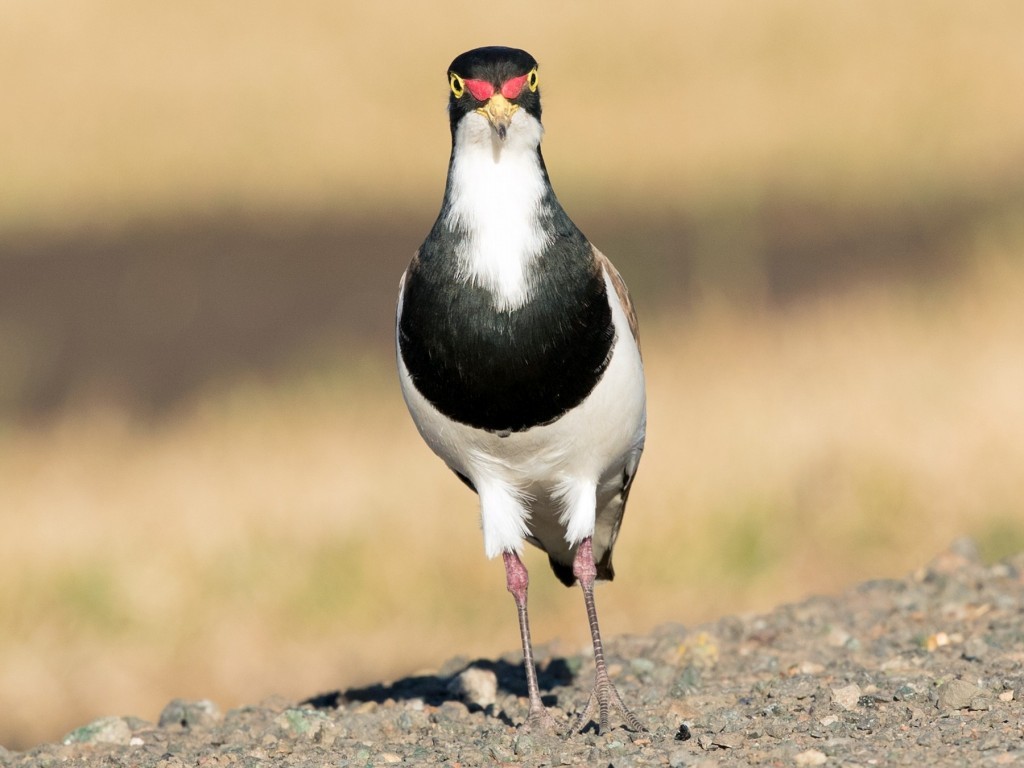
435 690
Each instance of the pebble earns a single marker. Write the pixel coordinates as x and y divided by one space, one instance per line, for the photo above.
847 697
728 740
106 730
311 723
475 685
523 744
810 757
921 671
975 649
189 714
958 694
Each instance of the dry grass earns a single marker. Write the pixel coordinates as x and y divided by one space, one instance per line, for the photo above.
115 110
292 541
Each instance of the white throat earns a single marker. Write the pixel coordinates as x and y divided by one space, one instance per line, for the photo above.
495 192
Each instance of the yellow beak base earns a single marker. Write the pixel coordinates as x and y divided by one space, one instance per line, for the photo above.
498 112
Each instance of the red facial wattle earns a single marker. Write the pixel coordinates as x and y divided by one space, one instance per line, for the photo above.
512 87
481 89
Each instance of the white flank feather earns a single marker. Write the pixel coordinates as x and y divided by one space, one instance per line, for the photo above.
503 517
579 502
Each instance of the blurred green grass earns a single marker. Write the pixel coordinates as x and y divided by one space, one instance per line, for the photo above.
210 487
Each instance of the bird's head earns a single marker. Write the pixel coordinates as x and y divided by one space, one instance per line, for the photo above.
495 86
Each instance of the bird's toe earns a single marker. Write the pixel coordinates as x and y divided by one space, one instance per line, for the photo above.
605 698
541 721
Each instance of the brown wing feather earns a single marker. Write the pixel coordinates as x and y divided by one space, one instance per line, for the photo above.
412 265
621 291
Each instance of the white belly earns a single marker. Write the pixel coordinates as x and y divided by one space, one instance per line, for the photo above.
548 482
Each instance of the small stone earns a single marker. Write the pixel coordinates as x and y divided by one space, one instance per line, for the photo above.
810 757
979 704
728 740
958 694
905 692
847 696
500 754
475 686
838 637
106 730
311 723
413 720
1006 696
523 744
975 649
915 717
189 714
390 757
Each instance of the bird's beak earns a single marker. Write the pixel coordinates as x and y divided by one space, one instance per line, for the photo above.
498 112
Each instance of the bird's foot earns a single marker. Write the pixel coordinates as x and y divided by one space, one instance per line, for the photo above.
540 721
605 697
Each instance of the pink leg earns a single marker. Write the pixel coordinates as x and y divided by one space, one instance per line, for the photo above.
517 580
604 693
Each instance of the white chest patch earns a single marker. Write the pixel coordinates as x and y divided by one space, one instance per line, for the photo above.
495 195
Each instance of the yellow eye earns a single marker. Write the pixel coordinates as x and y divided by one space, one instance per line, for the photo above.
531 80
457 84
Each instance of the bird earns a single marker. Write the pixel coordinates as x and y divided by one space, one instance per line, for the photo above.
518 356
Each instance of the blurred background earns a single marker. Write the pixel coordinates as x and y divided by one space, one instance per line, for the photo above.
209 485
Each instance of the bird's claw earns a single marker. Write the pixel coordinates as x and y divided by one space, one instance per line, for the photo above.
604 697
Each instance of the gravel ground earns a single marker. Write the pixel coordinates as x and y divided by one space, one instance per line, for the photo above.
924 671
